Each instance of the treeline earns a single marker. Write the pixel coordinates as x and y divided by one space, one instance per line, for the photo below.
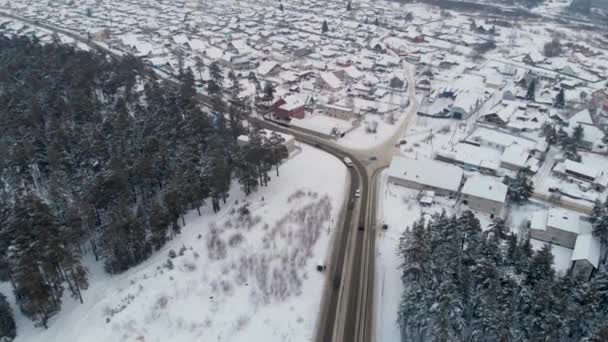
95 154
462 284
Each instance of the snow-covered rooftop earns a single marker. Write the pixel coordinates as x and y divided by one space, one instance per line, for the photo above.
331 79
563 220
587 247
485 187
426 172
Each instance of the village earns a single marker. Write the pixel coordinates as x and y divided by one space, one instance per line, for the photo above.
486 91
476 102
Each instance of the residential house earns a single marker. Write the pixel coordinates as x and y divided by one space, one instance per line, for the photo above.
268 68
289 107
425 174
329 81
555 226
337 111
586 255
466 103
533 58
349 74
515 157
583 172
486 194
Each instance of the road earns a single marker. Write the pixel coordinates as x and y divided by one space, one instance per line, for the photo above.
347 305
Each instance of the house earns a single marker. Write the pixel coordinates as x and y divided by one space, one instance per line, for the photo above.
268 68
425 174
288 107
337 111
515 158
533 58
586 255
349 74
592 135
466 103
470 158
397 83
556 226
424 85
302 52
597 177
494 82
486 194
329 81
497 140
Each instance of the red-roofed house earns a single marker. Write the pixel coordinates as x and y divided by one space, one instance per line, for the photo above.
288 107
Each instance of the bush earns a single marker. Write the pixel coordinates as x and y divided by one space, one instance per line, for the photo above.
553 48
172 254
7 321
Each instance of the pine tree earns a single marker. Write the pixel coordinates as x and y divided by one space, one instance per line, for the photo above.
324 27
376 22
281 7
578 134
570 150
560 99
561 136
7 321
531 93
598 210
349 6
520 189
269 92
550 133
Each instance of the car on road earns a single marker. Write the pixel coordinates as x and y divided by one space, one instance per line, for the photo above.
348 162
337 282
358 193
402 142
361 228
373 158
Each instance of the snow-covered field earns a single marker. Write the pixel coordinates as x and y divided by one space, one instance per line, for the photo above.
241 275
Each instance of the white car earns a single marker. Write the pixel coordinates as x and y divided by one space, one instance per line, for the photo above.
358 193
348 162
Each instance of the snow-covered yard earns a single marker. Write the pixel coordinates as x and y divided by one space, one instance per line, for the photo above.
245 274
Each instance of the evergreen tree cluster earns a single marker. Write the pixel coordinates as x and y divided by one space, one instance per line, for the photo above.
599 221
568 143
462 284
8 330
96 154
520 188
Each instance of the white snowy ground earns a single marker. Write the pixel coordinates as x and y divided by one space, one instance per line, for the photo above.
398 208
359 138
255 280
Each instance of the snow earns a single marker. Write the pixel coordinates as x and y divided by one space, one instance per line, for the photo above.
322 124
562 256
205 298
